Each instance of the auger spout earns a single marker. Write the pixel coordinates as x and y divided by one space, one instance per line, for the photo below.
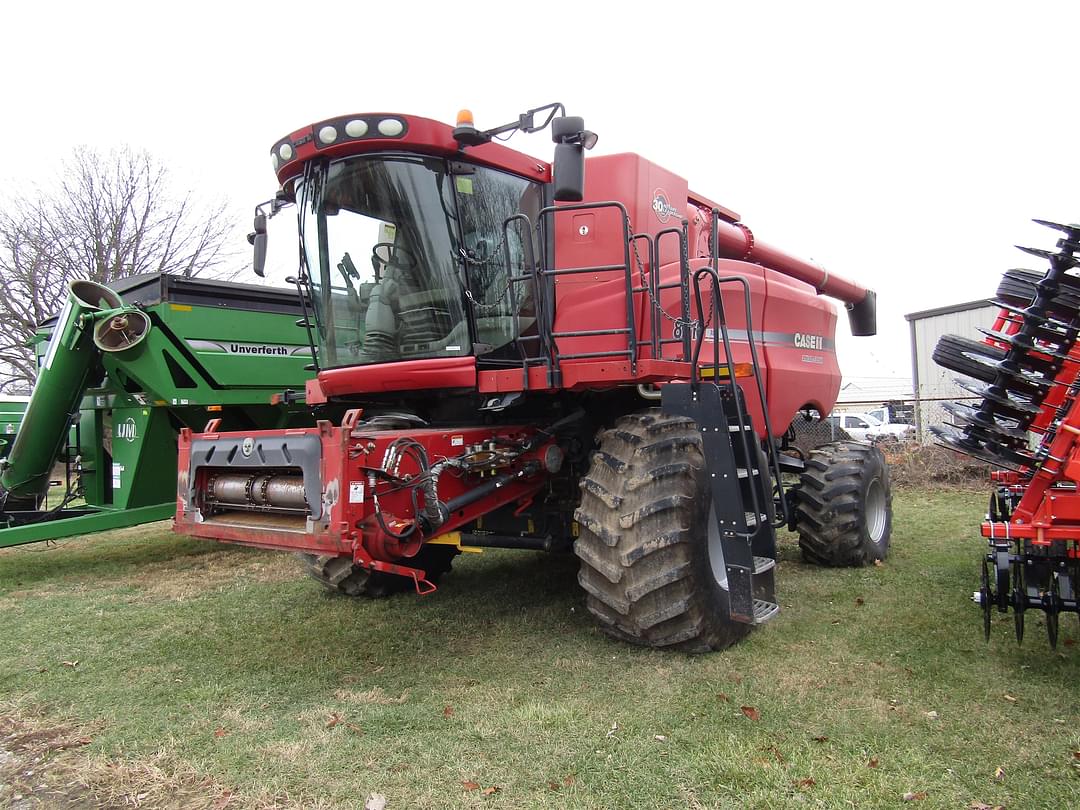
94 319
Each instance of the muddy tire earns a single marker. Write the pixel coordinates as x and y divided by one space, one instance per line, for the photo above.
843 509
644 547
340 575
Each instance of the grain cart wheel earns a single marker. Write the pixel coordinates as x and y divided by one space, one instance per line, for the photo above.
844 505
651 562
342 576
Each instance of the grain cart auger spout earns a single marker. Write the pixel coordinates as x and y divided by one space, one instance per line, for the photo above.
121 368
93 320
1025 373
584 355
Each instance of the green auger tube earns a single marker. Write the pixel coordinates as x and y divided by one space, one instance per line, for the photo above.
71 357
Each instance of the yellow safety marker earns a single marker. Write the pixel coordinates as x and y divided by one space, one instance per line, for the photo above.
453 539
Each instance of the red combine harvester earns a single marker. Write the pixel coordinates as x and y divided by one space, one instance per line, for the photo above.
584 355
1026 372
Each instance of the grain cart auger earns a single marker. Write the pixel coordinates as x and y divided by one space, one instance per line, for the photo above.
580 355
120 369
1026 374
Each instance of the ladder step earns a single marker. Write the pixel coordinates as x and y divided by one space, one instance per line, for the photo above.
752 521
763 611
763 564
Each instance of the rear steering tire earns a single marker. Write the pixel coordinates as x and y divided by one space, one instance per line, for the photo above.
844 505
649 552
342 576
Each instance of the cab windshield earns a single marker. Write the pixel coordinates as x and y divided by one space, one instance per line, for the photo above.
414 257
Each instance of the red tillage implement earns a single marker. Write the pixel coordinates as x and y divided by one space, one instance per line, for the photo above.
1027 373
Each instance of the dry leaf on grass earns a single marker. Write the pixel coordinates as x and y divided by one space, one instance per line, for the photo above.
917 796
376 801
354 728
333 719
569 780
448 711
659 738
859 601
804 784
999 773
723 697
553 785
751 712
932 715
613 729
821 738
489 791
1009 698
872 762
70 664
469 784
220 732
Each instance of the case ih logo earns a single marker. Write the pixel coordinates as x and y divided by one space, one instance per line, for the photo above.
126 430
804 341
661 207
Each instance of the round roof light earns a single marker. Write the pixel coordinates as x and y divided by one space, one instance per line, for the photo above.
328 134
391 127
274 160
285 151
357 128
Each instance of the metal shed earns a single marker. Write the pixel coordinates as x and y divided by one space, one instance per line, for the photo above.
933 384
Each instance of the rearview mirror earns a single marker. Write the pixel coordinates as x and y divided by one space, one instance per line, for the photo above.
569 172
258 241
571 140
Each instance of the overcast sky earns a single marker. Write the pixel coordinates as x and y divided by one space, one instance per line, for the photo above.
905 145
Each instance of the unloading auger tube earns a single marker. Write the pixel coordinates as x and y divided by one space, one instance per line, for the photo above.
93 320
735 240
1026 376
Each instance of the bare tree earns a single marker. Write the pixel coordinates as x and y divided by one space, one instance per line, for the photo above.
110 217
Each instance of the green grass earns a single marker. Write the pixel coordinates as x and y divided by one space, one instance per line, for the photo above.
227 663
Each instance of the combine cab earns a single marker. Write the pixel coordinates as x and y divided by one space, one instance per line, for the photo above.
585 355
1025 373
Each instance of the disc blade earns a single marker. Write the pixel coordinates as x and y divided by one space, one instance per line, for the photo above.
1018 408
975 417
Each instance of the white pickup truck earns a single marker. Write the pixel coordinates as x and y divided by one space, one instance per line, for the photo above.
867 427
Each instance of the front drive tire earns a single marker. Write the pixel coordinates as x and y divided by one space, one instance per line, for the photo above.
843 507
341 576
651 575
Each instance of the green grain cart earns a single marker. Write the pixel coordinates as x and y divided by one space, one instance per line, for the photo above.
121 370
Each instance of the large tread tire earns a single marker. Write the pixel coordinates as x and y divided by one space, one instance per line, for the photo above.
341 576
958 354
843 509
1018 288
643 539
